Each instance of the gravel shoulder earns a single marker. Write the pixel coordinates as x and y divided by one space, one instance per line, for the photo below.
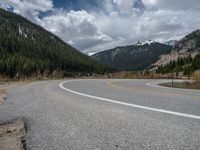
182 85
12 133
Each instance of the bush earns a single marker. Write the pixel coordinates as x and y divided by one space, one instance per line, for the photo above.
196 77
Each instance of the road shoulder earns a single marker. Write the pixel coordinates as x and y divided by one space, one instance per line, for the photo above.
12 133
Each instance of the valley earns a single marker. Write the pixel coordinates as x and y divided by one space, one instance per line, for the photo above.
99 75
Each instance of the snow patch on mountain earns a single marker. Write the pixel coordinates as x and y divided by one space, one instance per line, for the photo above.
141 43
171 42
91 53
21 32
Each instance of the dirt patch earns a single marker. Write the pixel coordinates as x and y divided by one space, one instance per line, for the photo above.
183 85
12 136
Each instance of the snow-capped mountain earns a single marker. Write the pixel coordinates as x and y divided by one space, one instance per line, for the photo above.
90 53
171 42
133 57
141 43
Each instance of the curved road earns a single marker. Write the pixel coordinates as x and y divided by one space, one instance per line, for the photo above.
105 115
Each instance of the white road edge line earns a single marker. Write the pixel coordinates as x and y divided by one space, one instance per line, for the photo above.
61 85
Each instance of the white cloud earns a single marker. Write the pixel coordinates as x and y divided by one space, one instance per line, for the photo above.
76 27
29 8
159 24
120 22
172 4
124 6
149 2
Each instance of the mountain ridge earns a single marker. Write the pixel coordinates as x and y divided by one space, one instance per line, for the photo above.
189 45
132 57
184 57
170 42
141 43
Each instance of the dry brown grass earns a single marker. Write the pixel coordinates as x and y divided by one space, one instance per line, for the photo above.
2 95
196 77
136 75
182 85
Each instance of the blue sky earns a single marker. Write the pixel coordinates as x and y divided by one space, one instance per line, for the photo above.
95 25
78 4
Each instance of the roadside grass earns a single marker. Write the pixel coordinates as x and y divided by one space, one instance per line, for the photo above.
183 85
136 75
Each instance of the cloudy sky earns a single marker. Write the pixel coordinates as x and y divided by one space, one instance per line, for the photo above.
93 25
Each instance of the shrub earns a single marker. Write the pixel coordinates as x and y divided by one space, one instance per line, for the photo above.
196 77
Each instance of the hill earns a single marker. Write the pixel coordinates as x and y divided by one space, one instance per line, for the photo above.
189 45
171 42
184 57
133 57
27 49
185 65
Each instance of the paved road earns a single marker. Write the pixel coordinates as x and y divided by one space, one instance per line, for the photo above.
105 115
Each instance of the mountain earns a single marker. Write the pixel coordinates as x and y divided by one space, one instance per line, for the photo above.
27 49
90 53
133 57
141 43
184 57
189 45
171 42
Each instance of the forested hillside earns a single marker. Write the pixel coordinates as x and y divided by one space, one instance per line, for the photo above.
28 50
187 65
184 57
189 45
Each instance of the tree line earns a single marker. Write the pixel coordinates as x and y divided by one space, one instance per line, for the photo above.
187 65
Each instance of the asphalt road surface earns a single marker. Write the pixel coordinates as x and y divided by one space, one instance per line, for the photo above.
105 115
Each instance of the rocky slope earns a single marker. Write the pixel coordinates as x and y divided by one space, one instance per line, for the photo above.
189 45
